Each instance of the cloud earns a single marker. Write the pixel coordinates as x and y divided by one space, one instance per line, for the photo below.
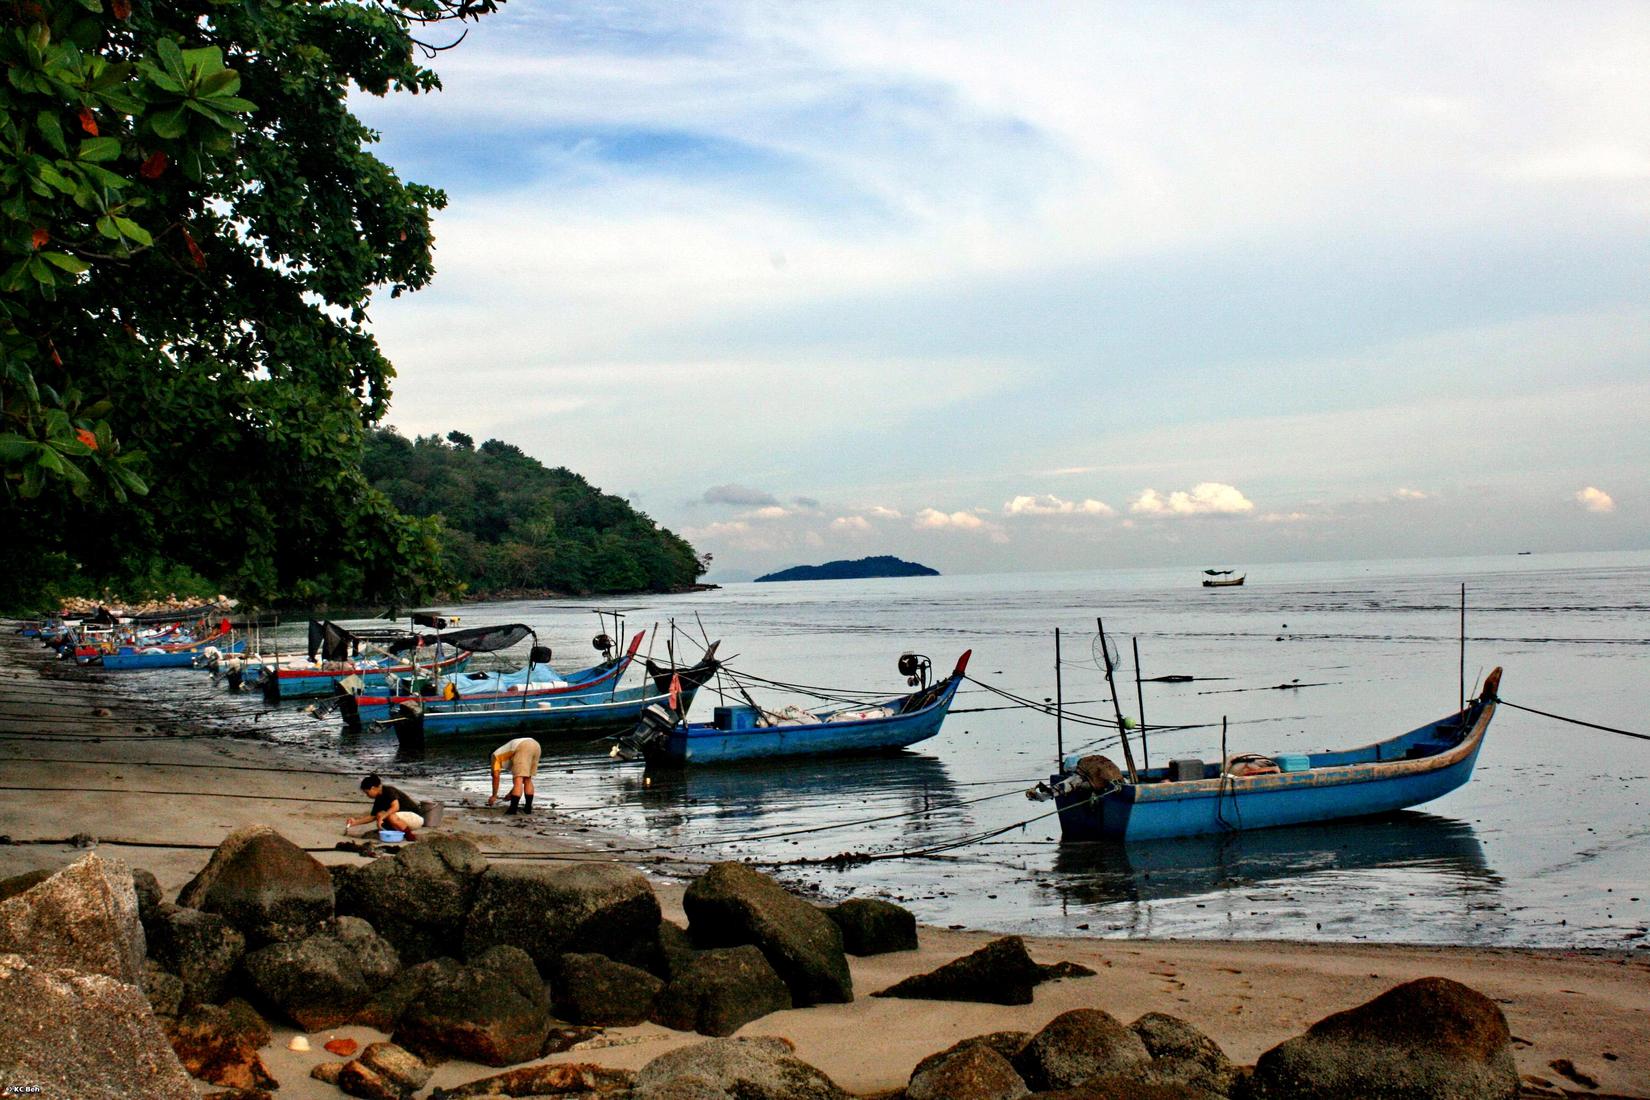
1049 505
932 519
880 512
742 496
1411 494
1067 471
1209 498
850 523
808 503
1596 500
772 511
1284 517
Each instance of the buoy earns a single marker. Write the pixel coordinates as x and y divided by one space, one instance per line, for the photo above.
298 1043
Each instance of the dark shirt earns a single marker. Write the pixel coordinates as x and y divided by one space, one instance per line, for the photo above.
391 794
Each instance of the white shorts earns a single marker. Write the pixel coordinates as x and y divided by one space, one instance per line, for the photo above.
407 818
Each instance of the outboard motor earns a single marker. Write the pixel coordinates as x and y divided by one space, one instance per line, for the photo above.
603 644
652 730
915 668
408 721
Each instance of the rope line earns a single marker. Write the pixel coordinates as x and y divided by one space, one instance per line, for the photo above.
1575 721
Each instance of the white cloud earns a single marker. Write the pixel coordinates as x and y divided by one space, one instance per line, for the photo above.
932 519
850 523
880 512
1284 517
1411 494
741 495
1208 498
1049 505
772 511
1596 500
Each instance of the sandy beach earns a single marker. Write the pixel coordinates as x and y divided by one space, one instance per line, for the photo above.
80 757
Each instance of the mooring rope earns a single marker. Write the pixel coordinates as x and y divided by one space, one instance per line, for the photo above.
1575 721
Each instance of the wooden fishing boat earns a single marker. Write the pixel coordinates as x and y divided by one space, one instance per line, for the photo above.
298 678
598 712
751 733
184 655
1229 582
1407 770
535 683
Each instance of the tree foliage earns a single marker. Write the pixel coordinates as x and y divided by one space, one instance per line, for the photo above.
512 524
191 229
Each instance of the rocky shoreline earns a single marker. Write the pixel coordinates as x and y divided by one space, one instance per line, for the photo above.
488 961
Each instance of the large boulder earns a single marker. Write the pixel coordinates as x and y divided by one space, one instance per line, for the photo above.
83 918
732 904
871 926
676 950
1000 973
577 1079
28 880
1431 1038
1181 1052
163 988
397 1065
593 989
417 898
1005 1043
495 1010
1076 1046
734 1069
150 897
720 991
974 1073
220 1045
83 1035
322 981
201 948
266 886
548 910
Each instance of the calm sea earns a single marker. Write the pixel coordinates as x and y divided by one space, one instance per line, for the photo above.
1548 845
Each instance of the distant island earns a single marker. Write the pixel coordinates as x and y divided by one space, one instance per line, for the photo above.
884 565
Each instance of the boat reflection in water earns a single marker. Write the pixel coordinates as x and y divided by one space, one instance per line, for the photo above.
1405 876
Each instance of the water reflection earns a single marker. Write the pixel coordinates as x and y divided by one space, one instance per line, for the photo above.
1440 848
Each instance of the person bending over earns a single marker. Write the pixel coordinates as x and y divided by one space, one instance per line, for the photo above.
521 756
392 808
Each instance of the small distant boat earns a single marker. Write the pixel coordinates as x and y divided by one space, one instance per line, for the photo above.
751 733
1230 582
1407 770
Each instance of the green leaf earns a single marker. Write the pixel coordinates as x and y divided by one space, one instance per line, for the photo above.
131 481
99 149
49 174
204 60
233 103
169 124
15 449
97 410
220 85
170 56
42 272
52 130
132 231
106 227
74 265
47 459
104 177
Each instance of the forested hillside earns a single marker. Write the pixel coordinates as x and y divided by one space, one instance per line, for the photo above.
512 524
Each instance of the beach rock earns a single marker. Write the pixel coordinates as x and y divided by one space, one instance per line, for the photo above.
1001 973
732 904
358 1079
202 949
28 880
1181 1053
1055 971
561 1039
1078 1045
734 1069
83 1035
593 989
83 918
871 926
266 886
327 1071
1431 1038
220 1045
495 1010
548 911
323 980
240 1094
567 1079
676 950
1132 1087
417 898
163 988
397 1065
150 897
974 1073
385 1005
720 991
1005 1043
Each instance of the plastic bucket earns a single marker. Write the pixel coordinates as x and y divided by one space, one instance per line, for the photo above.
391 836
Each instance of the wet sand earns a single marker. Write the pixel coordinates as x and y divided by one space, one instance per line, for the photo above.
157 797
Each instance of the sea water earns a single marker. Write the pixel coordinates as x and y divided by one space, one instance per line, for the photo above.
1549 844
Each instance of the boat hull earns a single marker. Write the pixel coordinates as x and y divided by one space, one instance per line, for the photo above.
313 683
568 716
178 658
1333 791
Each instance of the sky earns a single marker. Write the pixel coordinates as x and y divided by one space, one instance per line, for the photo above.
1049 286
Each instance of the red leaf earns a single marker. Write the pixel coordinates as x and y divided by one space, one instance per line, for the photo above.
87 122
41 238
86 437
153 165
57 360
195 252
121 8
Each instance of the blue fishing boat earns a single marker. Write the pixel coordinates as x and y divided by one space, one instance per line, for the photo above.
593 713
752 733
536 682
1096 802
129 658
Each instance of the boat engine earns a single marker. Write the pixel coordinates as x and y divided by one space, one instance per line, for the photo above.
652 729
915 668
603 644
